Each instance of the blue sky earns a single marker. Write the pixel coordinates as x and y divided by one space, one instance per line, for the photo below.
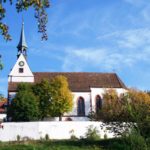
87 36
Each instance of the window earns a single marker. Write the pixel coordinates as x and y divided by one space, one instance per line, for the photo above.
98 103
20 70
81 107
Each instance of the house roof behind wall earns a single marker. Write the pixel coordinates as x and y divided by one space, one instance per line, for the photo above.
79 81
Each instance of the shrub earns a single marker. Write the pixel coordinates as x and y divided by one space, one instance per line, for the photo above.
46 137
105 136
72 136
92 133
135 141
18 138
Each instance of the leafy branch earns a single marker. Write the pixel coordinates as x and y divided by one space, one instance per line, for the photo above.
40 14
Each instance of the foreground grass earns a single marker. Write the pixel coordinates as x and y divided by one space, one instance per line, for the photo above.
51 145
56 145
108 144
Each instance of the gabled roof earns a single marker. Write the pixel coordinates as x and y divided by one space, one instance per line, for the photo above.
79 81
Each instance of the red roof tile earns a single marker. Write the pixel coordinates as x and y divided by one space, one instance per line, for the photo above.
79 81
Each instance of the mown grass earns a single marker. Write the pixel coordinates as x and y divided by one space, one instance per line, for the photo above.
107 144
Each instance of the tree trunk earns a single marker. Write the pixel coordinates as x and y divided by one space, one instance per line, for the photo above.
60 117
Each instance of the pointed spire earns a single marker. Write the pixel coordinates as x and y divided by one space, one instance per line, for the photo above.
22 45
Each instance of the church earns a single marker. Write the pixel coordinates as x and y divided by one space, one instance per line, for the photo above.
87 87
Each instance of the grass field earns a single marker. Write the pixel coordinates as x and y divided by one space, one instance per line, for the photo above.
63 145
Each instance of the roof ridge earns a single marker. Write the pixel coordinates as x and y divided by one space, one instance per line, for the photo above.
78 72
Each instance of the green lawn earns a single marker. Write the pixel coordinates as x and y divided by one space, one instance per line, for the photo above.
111 144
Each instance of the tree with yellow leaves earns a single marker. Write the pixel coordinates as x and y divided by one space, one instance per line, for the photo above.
54 96
61 100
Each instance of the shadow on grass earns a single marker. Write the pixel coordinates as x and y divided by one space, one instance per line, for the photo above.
105 143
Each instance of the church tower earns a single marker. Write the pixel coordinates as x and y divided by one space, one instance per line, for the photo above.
22 45
21 71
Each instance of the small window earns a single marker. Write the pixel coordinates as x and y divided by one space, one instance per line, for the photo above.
20 70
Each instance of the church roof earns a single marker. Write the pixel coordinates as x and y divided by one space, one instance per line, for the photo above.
79 81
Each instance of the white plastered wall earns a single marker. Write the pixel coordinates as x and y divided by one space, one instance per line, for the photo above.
26 76
101 91
88 98
76 95
55 130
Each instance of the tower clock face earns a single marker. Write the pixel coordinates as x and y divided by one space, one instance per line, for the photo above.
21 63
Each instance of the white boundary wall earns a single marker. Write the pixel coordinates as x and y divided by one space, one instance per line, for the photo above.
55 130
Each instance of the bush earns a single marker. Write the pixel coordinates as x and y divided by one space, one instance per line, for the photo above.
46 137
105 136
135 141
72 136
92 133
18 138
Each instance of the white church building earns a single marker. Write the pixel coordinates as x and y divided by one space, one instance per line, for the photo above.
87 87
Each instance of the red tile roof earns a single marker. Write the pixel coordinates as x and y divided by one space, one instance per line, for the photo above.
2 108
79 81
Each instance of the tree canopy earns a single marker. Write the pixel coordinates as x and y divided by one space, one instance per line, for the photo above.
55 98
24 106
61 100
42 91
132 108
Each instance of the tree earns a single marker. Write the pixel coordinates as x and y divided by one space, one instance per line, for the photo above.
55 98
24 106
139 111
39 6
131 109
42 91
61 100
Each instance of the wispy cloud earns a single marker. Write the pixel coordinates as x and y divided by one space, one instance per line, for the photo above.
131 38
130 48
136 2
81 59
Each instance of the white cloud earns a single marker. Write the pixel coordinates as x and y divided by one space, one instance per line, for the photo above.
131 38
107 59
137 2
134 38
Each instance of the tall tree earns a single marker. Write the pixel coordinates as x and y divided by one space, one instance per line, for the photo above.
61 100
24 106
42 91
55 98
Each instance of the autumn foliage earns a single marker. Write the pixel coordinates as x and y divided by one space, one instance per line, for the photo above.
132 107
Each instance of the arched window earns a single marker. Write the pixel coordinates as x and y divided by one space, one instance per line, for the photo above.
81 107
98 103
